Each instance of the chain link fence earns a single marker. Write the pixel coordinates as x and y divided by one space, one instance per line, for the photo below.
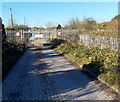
70 34
100 41
91 40
73 35
21 36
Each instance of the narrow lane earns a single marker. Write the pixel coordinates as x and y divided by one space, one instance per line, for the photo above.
41 74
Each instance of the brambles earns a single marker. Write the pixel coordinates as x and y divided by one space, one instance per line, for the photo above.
102 62
10 54
56 42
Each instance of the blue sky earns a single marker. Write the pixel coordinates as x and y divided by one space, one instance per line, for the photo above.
40 13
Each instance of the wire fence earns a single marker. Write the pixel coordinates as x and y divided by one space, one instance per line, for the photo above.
112 42
70 34
24 36
100 41
73 35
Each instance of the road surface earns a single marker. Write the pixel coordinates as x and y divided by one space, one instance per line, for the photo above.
41 74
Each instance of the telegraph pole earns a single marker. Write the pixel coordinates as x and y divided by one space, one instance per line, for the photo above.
11 19
24 21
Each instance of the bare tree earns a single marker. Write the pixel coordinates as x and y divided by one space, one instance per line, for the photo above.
49 25
74 23
88 23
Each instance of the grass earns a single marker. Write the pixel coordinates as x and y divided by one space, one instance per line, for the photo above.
102 62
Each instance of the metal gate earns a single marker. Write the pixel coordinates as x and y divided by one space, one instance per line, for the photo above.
31 36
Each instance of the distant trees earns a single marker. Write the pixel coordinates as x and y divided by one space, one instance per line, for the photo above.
18 27
74 23
38 28
86 24
49 24
41 28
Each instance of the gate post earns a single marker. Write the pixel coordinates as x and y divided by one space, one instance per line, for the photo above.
21 35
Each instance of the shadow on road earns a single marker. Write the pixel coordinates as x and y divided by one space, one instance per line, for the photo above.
59 78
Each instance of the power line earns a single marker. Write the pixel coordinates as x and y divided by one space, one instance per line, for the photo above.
5 6
14 13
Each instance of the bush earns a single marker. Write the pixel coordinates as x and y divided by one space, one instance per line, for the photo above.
55 42
111 77
10 54
102 62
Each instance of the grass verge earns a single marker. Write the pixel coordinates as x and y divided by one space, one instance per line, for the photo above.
102 62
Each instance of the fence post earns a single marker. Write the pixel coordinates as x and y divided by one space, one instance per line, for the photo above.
21 34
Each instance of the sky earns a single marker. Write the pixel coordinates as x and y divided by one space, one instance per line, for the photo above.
39 14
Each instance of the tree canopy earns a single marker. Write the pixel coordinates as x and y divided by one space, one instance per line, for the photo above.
59 26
